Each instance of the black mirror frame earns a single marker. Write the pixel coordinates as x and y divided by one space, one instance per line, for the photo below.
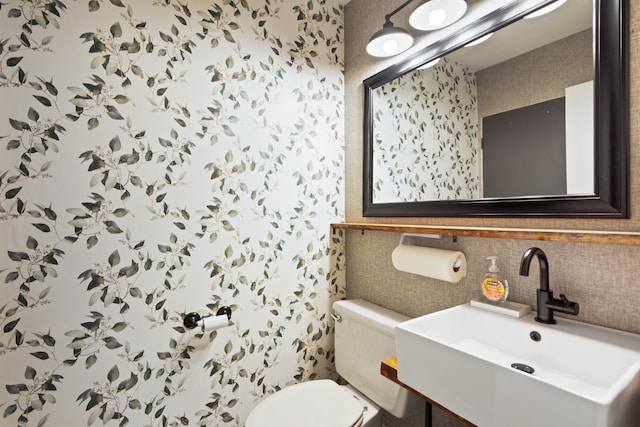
611 105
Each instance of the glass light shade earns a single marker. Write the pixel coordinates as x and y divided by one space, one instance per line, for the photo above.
479 40
429 64
434 14
389 41
546 9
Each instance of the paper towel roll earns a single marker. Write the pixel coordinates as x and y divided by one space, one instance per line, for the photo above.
214 322
440 264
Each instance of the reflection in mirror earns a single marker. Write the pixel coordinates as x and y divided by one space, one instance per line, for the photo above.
426 143
511 116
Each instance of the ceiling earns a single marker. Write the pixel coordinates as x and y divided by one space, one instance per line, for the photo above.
525 35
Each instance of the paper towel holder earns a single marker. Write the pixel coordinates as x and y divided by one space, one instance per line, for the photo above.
191 319
424 236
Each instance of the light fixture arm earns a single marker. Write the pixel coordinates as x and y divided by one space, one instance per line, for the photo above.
387 17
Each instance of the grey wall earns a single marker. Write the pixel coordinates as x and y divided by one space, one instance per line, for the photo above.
602 278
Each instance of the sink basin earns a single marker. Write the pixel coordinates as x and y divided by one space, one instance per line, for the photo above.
567 374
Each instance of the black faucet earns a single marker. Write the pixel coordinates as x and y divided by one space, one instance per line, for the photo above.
546 303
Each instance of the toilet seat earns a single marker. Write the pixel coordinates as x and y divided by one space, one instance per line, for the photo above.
318 403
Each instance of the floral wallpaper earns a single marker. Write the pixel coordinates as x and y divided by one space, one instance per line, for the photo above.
161 157
420 153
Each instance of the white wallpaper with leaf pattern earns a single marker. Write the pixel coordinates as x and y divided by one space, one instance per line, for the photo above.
162 157
426 144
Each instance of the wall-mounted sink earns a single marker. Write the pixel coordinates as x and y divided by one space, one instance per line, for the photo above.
563 375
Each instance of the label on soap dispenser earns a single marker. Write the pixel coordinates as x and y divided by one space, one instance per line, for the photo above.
493 289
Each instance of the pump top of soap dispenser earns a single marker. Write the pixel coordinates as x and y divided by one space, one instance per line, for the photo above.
493 268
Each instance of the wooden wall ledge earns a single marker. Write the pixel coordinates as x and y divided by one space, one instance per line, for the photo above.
629 238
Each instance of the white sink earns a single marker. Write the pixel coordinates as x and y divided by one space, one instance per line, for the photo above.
461 358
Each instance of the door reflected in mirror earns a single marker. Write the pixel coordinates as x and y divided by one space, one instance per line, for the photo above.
512 116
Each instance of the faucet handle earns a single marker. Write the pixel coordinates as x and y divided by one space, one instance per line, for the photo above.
568 306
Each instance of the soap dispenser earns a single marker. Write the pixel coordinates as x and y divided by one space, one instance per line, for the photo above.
494 286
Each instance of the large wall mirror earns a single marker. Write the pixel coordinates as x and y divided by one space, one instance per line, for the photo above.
514 115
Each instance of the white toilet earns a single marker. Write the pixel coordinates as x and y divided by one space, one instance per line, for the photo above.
364 337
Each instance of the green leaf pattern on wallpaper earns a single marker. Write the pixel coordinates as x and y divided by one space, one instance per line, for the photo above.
163 157
426 144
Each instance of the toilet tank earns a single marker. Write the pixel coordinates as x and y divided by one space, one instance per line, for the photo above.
363 338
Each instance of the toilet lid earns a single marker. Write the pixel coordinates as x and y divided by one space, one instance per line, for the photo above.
318 403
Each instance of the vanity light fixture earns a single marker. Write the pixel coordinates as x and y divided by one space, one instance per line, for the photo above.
390 40
429 15
547 9
435 14
429 64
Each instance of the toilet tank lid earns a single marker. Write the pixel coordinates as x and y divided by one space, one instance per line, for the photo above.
370 314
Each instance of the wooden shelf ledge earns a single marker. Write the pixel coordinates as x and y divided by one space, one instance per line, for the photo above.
628 238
